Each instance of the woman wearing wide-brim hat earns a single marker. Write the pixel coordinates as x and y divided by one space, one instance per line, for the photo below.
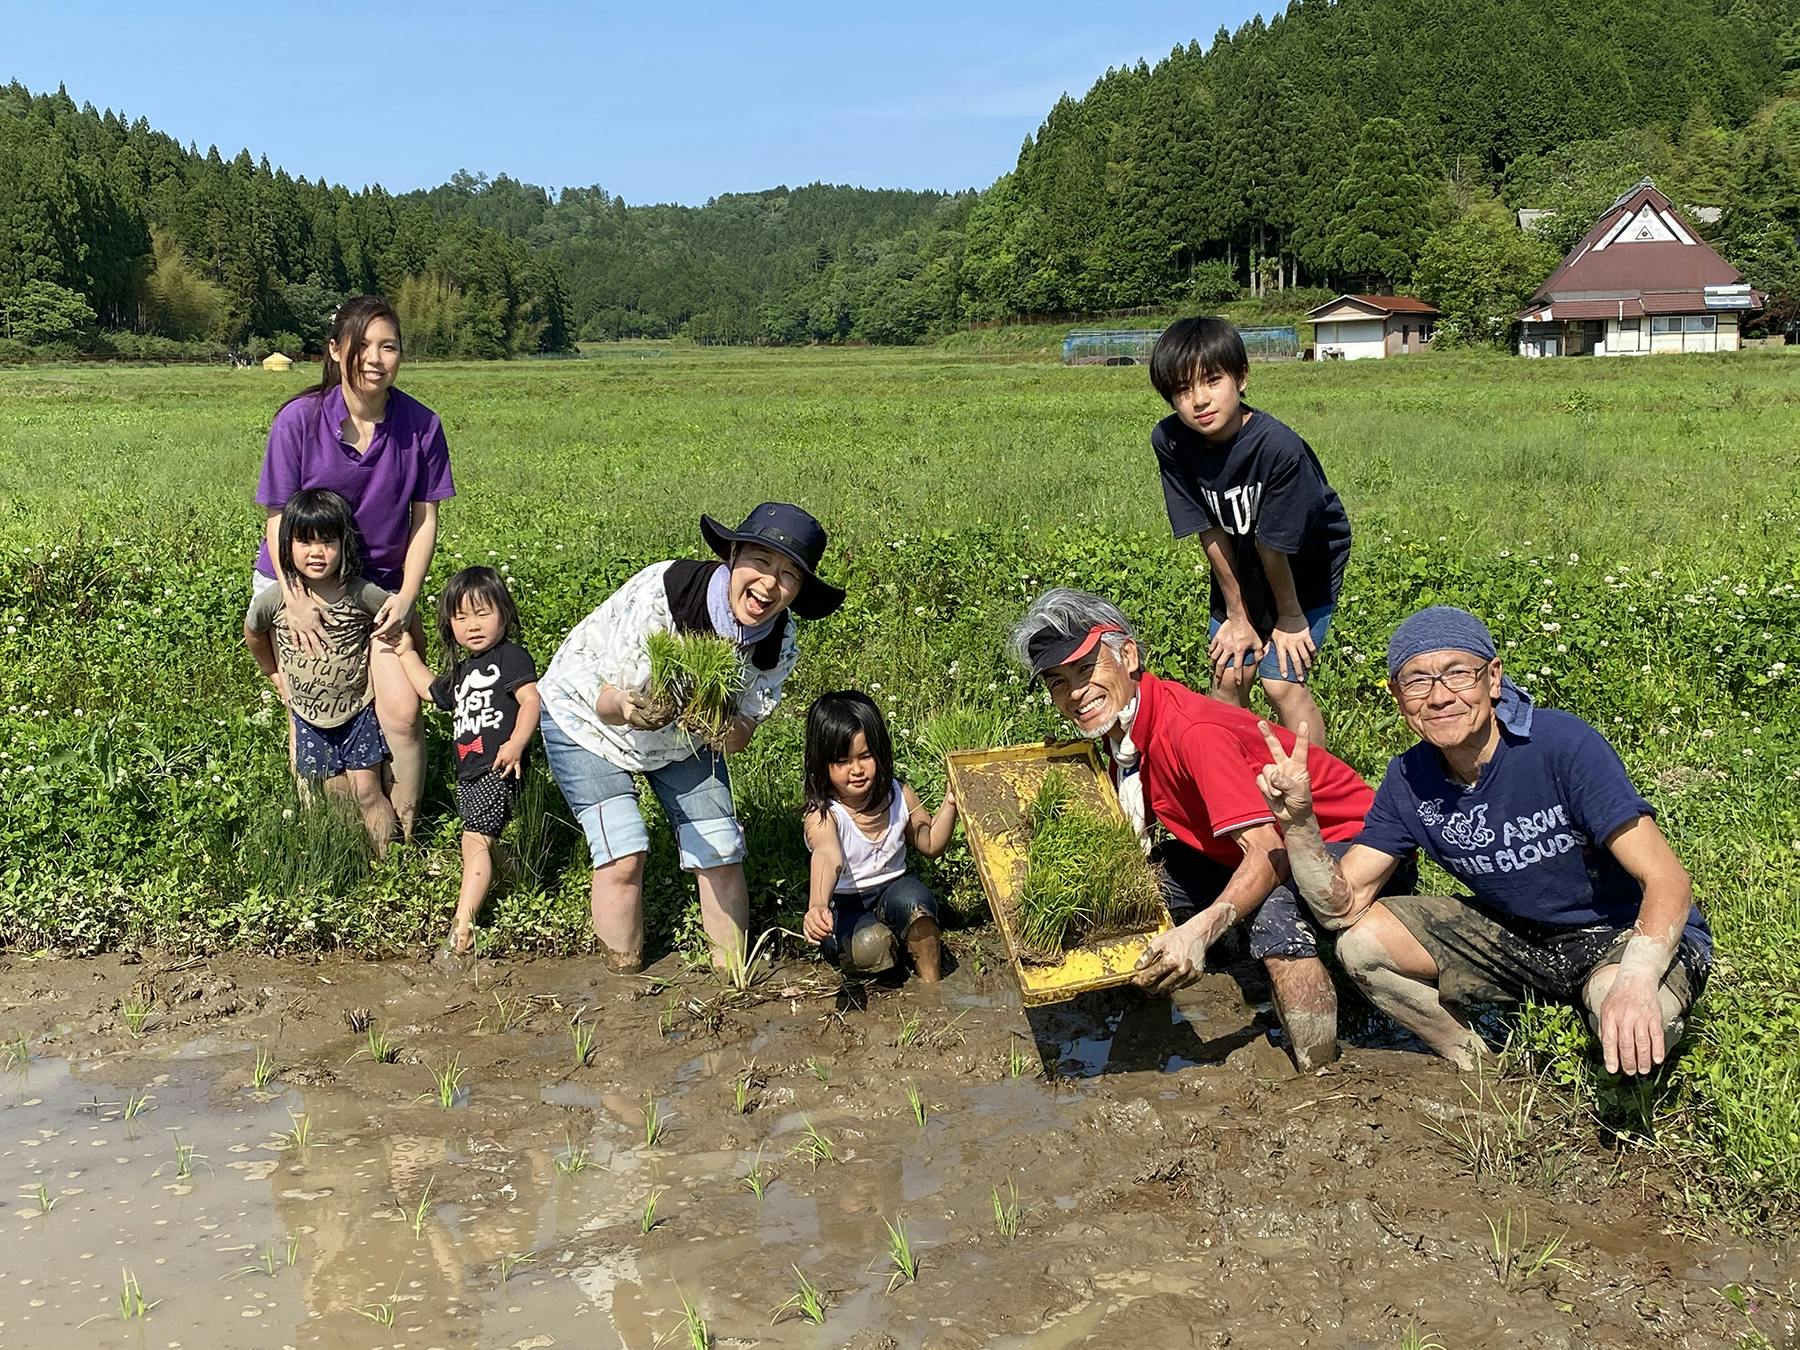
601 730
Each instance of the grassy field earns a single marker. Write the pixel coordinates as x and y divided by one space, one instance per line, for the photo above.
1627 528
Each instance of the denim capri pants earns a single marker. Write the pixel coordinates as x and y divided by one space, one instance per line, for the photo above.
695 794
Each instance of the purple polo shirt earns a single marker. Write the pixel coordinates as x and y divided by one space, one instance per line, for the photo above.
408 461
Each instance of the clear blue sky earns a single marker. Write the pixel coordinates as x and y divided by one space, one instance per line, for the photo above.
653 100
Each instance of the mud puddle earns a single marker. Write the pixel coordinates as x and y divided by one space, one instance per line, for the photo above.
1174 1183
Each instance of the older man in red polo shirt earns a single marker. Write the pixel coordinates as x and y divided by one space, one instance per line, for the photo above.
1185 767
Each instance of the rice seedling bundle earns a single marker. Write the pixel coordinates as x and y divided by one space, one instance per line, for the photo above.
698 677
1085 876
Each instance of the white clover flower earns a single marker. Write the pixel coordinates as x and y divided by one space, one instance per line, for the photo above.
287 813
1574 557
1562 646
919 611
1543 670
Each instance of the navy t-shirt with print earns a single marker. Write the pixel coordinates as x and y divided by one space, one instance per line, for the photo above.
486 708
1528 838
1266 484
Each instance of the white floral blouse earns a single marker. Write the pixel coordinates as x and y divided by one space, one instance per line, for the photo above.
609 647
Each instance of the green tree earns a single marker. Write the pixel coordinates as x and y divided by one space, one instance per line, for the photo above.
40 313
1386 207
1480 270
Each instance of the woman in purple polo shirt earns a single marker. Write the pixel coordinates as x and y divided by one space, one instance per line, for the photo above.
384 453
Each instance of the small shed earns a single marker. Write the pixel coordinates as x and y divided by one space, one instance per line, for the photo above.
1353 327
277 361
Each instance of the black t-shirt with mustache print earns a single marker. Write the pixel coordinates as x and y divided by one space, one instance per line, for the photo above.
486 710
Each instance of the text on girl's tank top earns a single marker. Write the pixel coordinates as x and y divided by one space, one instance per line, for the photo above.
869 863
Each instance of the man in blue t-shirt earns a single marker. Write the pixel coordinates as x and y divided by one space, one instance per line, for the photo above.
1576 894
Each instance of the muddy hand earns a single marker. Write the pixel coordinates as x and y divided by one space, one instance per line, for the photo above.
1285 783
642 715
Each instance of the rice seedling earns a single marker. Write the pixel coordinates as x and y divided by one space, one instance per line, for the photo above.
581 1035
1006 1213
448 1081
909 1030
293 1248
509 1013
699 1337
1518 1262
1414 1339
381 1314
756 1181
132 1306
1085 875
136 1103
961 727
575 1160
185 1158
417 1215
901 1254
136 1012
806 1301
511 1261
656 1123
916 1103
814 1147
300 1137
45 1201
17 1051
698 677
818 1069
359 1019
263 1069
378 1048
263 1266
647 1220
665 1022
1019 1064
746 1085
745 964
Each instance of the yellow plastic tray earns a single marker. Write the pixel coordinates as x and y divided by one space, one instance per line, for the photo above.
992 790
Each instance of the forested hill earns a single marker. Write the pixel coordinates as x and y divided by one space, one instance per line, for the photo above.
1365 142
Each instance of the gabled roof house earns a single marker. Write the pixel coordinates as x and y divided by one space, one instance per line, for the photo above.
1640 281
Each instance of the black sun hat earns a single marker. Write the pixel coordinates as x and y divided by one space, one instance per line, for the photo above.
790 531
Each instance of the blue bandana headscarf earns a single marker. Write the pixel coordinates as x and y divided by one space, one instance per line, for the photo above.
1443 628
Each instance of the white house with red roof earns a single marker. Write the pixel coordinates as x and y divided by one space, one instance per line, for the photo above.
1640 282
1353 327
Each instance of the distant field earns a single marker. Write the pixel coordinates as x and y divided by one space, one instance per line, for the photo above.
1629 529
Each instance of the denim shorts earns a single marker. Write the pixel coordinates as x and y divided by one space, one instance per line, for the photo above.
326 752
1282 925
1317 621
695 794
895 903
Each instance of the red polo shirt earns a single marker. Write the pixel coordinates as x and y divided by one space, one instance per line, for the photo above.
1200 758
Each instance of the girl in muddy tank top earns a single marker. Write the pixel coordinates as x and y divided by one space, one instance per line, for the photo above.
863 903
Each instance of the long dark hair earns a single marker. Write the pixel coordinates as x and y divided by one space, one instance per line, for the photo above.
831 725
349 329
313 515
483 586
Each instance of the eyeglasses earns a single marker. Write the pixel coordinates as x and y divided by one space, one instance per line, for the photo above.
1457 679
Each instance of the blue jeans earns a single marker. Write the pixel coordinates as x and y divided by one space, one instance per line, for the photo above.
695 794
896 903
1269 668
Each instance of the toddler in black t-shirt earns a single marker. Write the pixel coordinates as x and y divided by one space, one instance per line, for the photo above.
491 688
1275 533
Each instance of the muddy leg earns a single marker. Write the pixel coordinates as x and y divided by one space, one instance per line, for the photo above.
1306 1003
724 909
478 872
372 802
924 943
618 911
1400 979
1294 704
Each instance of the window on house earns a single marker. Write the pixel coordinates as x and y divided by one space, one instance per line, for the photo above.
1628 325
1698 323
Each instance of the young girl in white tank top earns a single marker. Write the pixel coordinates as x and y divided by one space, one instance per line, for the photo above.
863 904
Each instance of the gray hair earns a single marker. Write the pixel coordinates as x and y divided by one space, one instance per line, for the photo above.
1064 610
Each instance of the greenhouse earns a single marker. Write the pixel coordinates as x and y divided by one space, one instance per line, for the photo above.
1132 346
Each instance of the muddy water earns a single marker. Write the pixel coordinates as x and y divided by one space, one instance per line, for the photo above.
1177 1184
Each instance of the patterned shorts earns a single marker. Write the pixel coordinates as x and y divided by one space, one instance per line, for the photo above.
326 752
486 803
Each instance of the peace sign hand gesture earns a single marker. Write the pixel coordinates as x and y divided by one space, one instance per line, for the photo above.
1285 784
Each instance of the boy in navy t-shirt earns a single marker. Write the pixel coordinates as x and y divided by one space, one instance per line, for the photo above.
1275 533
1576 894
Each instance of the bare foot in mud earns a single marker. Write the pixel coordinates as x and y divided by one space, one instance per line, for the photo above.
925 946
